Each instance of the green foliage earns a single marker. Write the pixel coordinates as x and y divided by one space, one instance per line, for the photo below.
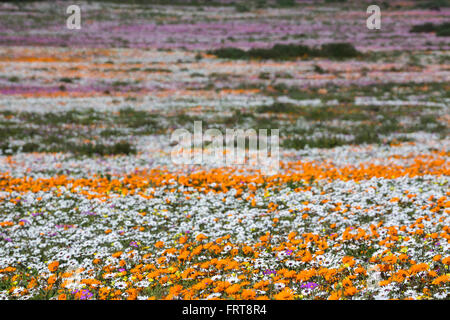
230 53
277 108
90 149
290 52
433 4
441 30
339 51
426 27
322 142
242 7
286 3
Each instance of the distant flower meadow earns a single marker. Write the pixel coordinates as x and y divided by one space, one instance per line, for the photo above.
93 207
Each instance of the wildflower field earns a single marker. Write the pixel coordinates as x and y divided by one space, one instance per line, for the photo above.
93 207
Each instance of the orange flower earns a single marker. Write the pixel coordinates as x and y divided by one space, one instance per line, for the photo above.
233 289
175 290
248 294
184 255
347 283
384 283
285 294
200 237
117 254
247 249
335 295
350 291
441 279
307 257
221 286
159 244
53 266
183 239
360 270
132 294
51 279
391 259
264 238
432 274
418 268
350 261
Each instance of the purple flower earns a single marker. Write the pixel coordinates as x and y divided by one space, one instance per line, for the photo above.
267 272
89 213
309 285
85 294
134 244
